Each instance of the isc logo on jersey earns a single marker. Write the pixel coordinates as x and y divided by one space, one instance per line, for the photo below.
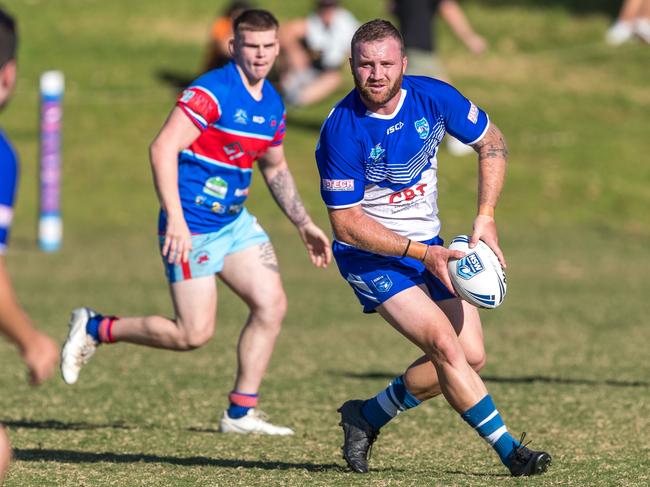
394 128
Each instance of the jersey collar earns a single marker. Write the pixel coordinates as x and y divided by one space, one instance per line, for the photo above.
392 115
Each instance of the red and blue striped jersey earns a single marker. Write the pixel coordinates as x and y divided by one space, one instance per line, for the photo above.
215 171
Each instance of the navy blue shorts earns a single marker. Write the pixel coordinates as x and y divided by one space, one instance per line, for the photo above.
376 278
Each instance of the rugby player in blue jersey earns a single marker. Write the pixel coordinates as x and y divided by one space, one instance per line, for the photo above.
202 162
39 351
377 161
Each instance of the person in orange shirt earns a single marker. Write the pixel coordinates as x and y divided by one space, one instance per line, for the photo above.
217 54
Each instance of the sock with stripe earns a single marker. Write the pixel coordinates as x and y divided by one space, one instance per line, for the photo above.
487 422
380 409
100 328
240 403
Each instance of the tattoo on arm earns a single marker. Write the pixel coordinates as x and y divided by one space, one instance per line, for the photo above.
268 257
285 193
492 145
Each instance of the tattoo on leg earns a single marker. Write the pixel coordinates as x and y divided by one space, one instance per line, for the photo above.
268 257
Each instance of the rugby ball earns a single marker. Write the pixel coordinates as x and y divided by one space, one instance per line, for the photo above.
478 277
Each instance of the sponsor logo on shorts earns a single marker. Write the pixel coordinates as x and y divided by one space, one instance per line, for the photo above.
338 184
382 283
422 128
469 266
202 258
407 194
472 116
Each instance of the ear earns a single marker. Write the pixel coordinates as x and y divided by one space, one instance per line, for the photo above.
405 62
231 47
7 80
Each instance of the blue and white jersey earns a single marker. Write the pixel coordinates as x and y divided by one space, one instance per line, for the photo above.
387 163
8 182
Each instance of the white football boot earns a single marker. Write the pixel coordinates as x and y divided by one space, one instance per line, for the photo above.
253 423
79 346
619 33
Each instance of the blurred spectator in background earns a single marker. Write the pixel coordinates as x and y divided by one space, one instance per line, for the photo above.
313 50
417 23
39 351
218 54
633 19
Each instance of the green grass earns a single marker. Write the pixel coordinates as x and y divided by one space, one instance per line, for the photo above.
567 352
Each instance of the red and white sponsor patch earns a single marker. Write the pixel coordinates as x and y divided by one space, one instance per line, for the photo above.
200 102
338 184
472 116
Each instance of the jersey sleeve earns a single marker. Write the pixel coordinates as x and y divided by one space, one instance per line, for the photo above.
8 180
341 168
201 105
463 119
278 138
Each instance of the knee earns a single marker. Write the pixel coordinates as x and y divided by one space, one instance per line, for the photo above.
196 335
445 348
476 359
270 311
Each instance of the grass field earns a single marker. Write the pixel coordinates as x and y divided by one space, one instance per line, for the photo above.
567 352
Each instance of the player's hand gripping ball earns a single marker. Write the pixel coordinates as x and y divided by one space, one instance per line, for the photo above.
478 277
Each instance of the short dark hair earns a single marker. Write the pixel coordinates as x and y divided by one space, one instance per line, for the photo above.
256 20
376 30
8 38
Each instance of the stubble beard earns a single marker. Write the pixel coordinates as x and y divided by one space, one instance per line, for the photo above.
378 99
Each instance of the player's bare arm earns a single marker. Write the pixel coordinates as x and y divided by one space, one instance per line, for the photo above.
275 171
176 134
352 226
492 159
39 351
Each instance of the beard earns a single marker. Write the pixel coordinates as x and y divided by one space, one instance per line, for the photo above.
378 99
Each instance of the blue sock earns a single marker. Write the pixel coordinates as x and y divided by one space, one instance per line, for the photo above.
388 403
92 327
487 422
237 409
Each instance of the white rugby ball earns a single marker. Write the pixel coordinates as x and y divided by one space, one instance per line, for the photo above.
478 277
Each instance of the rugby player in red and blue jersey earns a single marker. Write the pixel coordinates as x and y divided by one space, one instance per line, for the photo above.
202 162
39 351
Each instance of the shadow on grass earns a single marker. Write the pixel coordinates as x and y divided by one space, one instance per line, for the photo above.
565 380
71 456
52 424
509 380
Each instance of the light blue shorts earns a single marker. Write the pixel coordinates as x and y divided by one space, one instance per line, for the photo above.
210 249
376 278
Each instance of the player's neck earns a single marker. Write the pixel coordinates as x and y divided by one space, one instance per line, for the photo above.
253 86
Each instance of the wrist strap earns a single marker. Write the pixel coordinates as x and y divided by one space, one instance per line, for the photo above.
418 251
406 250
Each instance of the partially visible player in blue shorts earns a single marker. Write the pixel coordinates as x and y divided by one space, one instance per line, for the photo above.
39 351
202 162
377 158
